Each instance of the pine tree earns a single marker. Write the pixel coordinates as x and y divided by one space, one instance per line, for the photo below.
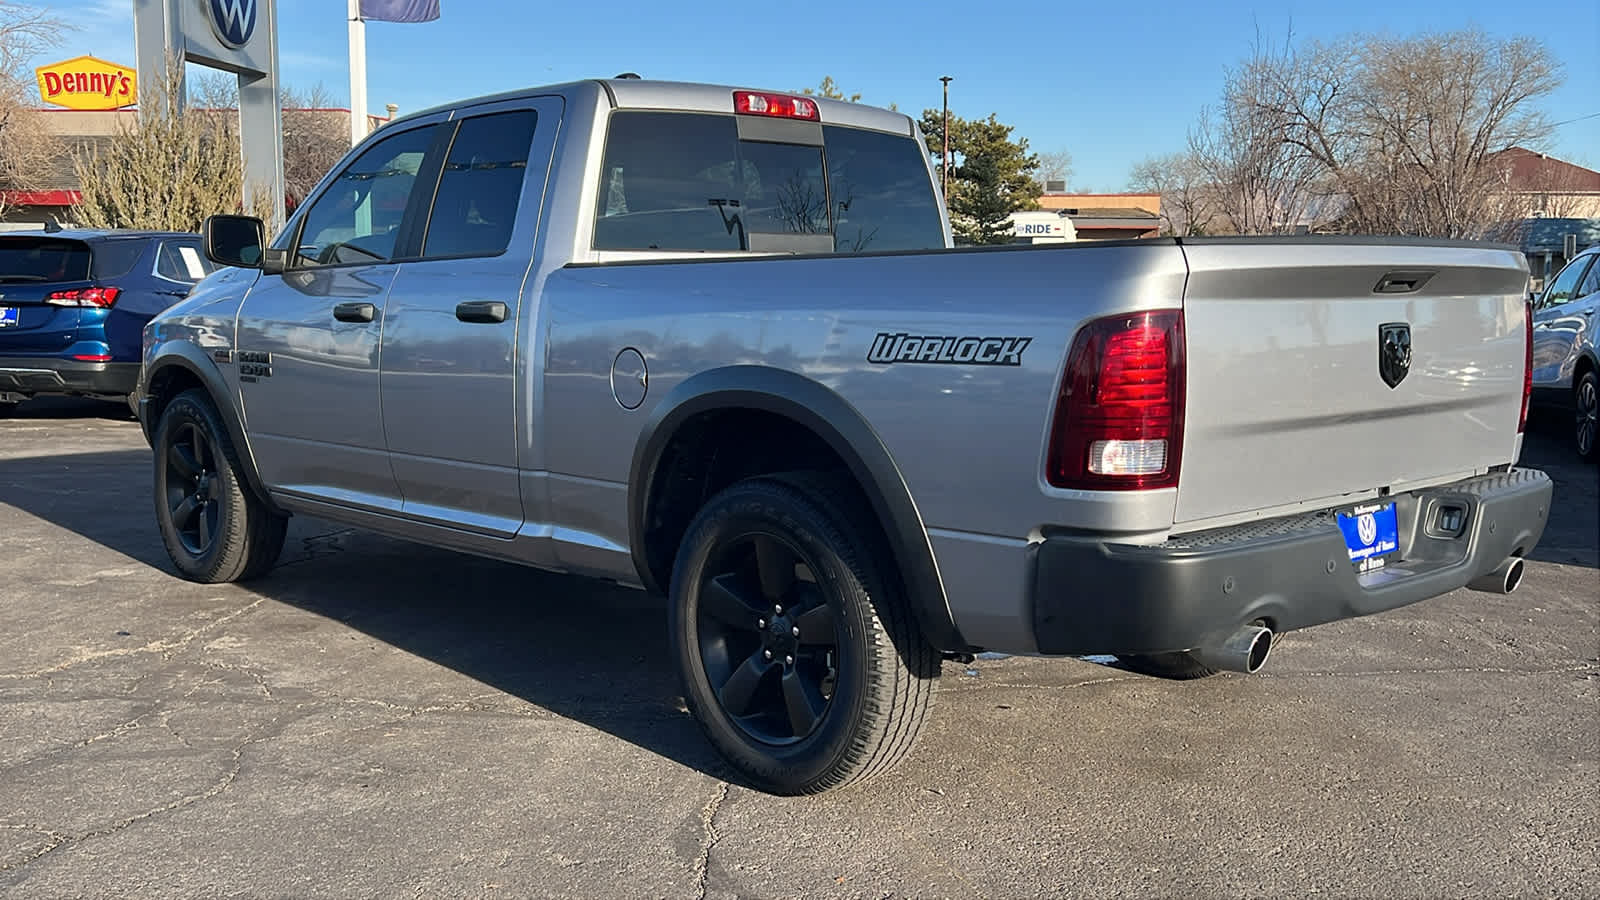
991 176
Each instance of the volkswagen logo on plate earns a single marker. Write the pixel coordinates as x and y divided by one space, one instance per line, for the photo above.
1367 528
234 21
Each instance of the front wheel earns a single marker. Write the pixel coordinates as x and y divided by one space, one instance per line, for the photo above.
797 654
214 527
1586 397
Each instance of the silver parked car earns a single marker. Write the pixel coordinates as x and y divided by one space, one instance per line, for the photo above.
1566 367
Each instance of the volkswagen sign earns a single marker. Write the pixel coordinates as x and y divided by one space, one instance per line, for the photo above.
234 21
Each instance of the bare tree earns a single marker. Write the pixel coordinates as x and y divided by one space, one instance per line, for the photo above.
1265 183
1408 130
1188 199
1055 166
169 172
315 137
315 134
26 149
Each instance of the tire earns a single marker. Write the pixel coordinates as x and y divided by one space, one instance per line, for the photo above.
214 527
1178 666
817 715
1586 403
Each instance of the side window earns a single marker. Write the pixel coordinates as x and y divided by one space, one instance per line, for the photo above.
1561 289
114 259
1590 284
181 260
357 219
476 205
881 191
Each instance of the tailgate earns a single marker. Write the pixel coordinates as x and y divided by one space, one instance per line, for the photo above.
31 268
1288 402
29 325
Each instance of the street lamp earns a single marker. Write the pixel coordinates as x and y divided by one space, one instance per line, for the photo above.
944 166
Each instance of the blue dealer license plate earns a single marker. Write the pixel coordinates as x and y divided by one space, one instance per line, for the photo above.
1371 533
8 316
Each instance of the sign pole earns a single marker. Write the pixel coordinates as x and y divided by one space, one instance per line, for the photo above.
358 74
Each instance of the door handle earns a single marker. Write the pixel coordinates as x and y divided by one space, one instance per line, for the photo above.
355 312
484 311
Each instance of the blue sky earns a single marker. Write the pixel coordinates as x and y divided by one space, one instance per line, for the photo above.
1109 83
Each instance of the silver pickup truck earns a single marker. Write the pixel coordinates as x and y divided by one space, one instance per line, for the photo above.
715 343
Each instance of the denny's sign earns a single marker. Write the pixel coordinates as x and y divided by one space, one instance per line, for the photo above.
88 83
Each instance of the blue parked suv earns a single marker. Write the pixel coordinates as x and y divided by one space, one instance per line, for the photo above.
73 306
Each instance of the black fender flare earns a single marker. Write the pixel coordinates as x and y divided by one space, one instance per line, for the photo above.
832 418
192 359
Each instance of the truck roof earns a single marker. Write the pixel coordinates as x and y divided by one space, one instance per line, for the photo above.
635 93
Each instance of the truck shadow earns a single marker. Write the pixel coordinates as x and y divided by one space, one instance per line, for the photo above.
588 651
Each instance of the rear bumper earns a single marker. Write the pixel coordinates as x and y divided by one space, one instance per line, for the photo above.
45 375
1096 597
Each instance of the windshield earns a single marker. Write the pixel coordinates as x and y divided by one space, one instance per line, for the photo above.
34 259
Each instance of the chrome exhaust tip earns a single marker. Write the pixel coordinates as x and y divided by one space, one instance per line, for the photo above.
1245 651
1502 579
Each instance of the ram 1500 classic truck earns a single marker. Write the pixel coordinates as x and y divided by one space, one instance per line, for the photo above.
716 343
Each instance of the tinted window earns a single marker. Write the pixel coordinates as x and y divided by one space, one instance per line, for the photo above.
357 219
114 259
667 183
782 190
882 194
182 261
1561 288
43 259
476 206
678 181
1591 282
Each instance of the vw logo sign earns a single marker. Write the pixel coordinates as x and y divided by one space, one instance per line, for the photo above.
234 21
1367 528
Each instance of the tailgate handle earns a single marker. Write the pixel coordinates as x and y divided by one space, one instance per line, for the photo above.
1403 282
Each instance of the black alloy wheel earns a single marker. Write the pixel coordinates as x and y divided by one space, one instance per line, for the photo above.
797 651
767 638
192 489
215 528
1586 397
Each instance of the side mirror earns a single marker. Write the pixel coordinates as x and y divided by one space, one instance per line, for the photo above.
236 241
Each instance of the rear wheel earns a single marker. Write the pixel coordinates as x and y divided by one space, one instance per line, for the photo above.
797 654
215 529
1586 397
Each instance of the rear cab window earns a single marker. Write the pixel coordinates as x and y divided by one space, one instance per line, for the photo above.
688 182
25 260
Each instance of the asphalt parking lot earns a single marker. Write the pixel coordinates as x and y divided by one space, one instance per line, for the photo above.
380 719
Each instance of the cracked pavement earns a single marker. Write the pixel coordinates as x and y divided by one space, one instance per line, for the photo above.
377 718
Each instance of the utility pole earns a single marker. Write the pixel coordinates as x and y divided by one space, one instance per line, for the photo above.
944 167
358 73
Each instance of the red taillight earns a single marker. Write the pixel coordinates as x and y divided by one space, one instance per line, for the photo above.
756 103
1119 417
95 296
1527 364
92 357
